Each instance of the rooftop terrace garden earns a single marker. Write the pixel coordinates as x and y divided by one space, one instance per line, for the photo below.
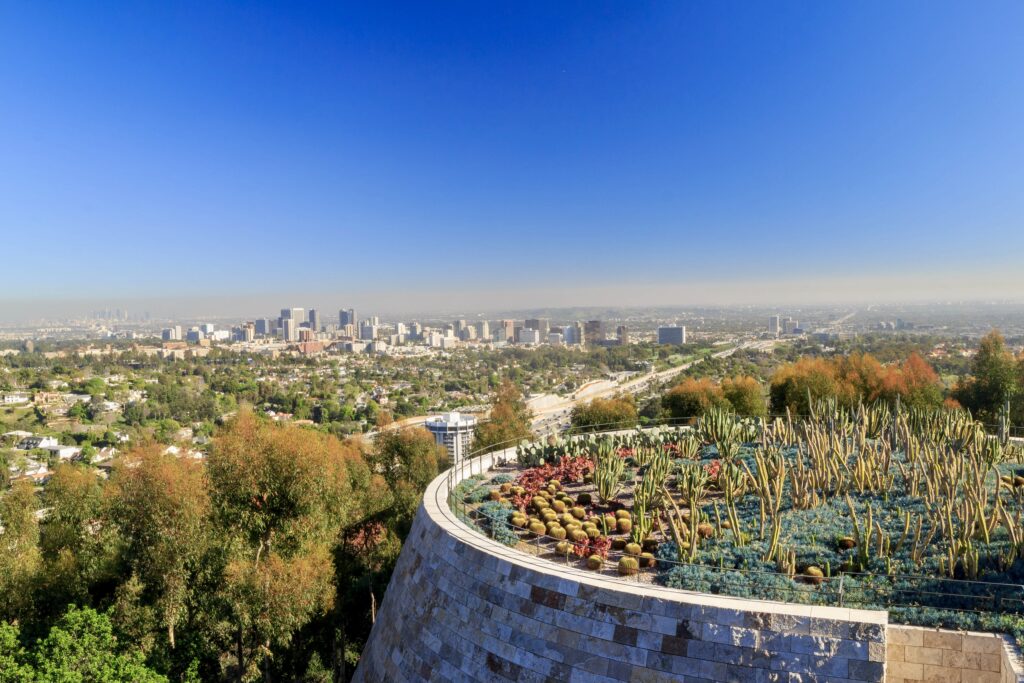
917 512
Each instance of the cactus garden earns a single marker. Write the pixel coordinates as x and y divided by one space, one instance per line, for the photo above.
917 512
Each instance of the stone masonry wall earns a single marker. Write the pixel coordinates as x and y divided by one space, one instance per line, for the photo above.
916 654
461 607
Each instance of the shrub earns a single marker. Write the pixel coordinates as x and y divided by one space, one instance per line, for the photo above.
689 577
494 515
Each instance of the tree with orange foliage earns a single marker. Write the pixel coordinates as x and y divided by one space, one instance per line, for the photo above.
857 378
793 383
691 398
914 383
860 378
509 420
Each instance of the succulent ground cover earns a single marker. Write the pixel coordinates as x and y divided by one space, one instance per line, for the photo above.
918 512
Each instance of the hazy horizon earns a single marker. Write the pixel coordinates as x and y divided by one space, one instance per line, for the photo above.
907 289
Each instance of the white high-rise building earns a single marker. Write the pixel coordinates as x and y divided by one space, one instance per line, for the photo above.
775 324
454 431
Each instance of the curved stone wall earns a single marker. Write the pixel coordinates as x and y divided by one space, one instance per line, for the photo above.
461 607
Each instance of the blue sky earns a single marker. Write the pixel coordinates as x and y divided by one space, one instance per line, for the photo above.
209 148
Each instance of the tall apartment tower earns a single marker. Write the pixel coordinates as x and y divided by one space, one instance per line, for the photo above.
314 320
454 431
775 325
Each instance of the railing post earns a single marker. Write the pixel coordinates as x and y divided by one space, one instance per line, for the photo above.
841 577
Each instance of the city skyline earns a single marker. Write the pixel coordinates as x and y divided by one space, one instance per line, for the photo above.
181 152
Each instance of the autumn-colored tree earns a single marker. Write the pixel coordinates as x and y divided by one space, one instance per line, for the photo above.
793 383
691 398
161 504
508 422
914 383
860 378
618 412
745 395
281 496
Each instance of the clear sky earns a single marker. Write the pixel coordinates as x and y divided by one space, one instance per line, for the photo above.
537 153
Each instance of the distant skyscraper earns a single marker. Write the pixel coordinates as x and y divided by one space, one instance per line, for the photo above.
483 330
789 326
367 330
347 317
314 320
264 326
622 334
542 325
296 314
672 335
529 335
593 331
509 328
774 325
289 329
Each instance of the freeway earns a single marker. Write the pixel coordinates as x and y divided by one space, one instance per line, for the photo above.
554 415
551 412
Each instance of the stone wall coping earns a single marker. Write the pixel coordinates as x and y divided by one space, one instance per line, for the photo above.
435 504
